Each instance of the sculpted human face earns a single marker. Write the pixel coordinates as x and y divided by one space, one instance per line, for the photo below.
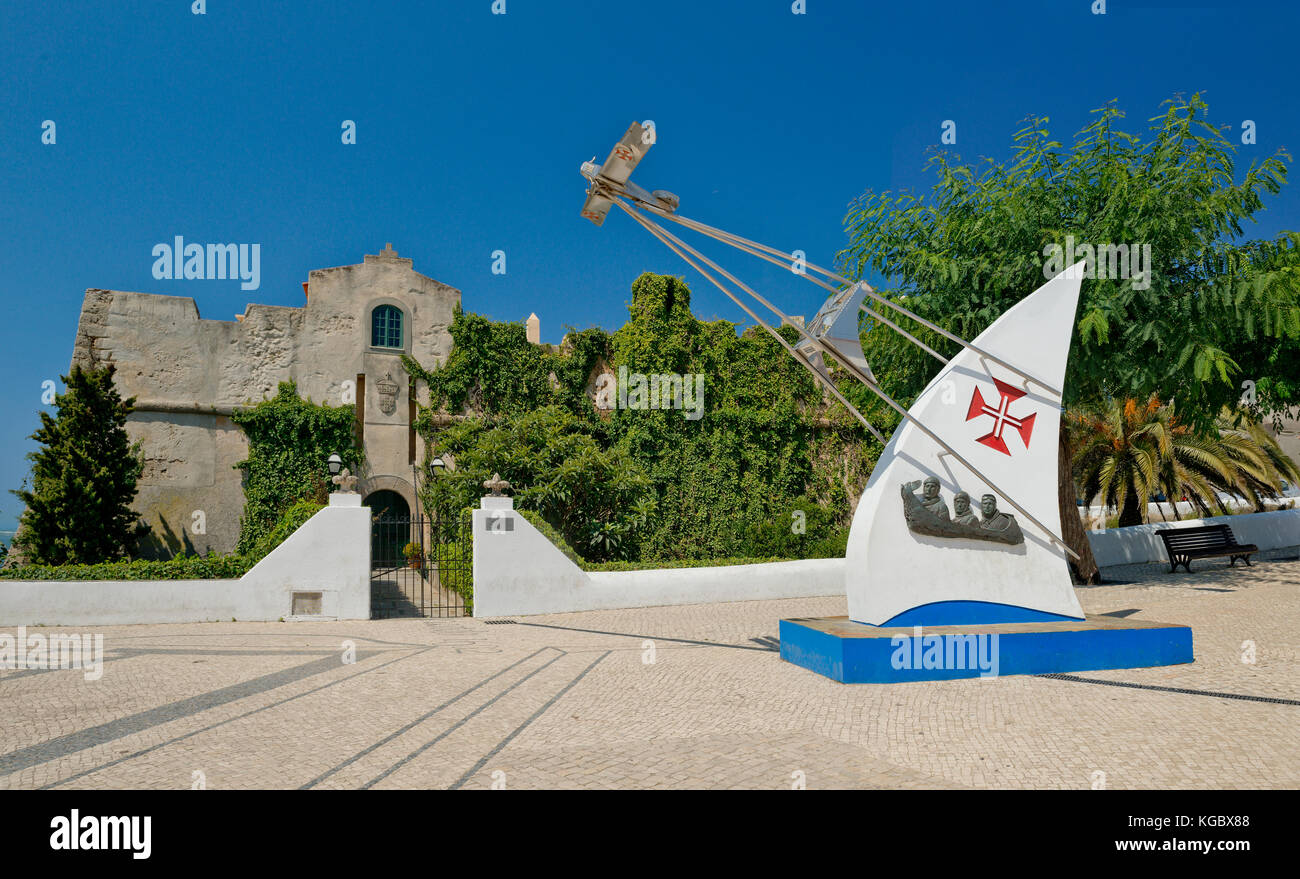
931 488
989 504
961 503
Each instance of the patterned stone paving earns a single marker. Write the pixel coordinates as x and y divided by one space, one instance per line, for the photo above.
692 696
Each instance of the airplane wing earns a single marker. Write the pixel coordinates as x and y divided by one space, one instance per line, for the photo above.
625 155
596 207
618 167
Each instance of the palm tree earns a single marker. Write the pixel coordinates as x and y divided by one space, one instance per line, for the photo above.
1261 463
1128 451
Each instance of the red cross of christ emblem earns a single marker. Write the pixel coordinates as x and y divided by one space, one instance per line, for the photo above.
1002 417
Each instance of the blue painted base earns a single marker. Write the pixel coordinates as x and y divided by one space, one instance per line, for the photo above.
855 653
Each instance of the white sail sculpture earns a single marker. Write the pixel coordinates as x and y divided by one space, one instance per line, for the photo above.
1008 428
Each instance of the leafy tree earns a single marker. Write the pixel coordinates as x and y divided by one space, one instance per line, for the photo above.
78 510
289 444
1183 328
1263 465
599 500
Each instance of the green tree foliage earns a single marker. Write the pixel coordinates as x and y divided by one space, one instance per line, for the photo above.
979 244
597 498
293 518
764 440
289 444
78 510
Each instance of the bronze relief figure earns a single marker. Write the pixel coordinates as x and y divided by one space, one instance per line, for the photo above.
927 514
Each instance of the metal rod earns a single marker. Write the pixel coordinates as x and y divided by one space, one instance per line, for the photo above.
736 241
830 386
665 236
817 343
905 334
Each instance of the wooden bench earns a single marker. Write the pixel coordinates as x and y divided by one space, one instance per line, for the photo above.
1208 541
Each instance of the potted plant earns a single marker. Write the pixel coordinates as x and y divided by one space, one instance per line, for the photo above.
413 554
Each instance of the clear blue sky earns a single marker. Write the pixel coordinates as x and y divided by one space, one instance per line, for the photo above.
225 127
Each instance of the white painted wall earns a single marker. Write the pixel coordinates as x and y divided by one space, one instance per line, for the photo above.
518 571
329 554
1095 516
1139 544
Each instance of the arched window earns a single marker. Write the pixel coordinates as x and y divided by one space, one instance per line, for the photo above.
386 327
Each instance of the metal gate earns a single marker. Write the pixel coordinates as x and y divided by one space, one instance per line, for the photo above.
419 567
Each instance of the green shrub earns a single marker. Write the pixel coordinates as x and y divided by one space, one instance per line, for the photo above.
680 563
182 567
209 567
806 530
459 578
552 535
290 521
598 498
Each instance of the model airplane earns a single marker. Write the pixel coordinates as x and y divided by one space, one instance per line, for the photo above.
611 178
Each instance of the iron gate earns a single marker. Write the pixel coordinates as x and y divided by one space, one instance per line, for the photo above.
419 567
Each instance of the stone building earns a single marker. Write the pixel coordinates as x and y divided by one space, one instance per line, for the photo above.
189 374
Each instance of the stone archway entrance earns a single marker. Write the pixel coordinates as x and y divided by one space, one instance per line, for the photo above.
391 528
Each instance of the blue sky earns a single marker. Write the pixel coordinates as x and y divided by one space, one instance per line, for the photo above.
225 127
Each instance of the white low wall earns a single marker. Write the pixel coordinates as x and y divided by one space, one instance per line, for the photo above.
329 554
1138 544
518 571
1095 517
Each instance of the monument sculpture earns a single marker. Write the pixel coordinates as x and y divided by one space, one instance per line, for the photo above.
993 574
928 515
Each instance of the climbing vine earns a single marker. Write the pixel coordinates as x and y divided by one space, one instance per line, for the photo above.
494 370
763 455
289 444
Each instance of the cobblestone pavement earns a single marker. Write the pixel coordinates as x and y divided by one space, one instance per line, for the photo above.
665 697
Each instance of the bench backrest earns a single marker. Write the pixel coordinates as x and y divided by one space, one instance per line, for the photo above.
1203 537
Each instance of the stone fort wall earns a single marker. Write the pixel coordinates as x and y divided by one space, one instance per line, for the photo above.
189 374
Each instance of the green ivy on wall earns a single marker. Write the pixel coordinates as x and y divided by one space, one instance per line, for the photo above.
289 444
642 484
494 370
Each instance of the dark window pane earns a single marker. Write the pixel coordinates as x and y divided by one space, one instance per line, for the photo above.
386 327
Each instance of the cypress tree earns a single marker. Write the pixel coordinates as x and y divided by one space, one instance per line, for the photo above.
78 510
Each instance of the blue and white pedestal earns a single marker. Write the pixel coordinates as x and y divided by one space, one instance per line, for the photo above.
856 653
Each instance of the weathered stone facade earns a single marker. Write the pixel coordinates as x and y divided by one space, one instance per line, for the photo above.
189 374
